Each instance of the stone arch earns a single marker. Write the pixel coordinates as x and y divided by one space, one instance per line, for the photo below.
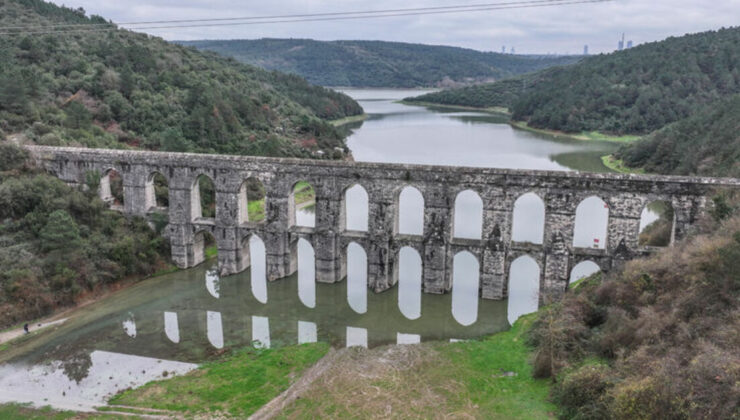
468 215
302 205
465 287
203 240
111 188
581 270
157 191
408 274
357 276
203 197
528 219
591 223
251 201
524 286
657 224
355 209
409 217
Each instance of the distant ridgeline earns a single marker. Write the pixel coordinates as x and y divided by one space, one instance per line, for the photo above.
123 89
635 91
379 63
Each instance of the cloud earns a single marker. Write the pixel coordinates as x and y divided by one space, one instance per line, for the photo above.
557 29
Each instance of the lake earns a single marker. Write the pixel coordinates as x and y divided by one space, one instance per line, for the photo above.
166 325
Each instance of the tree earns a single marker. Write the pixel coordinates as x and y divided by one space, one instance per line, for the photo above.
60 232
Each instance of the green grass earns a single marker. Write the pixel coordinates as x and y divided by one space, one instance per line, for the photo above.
256 210
617 165
239 384
432 380
348 120
15 411
303 192
477 365
211 251
585 136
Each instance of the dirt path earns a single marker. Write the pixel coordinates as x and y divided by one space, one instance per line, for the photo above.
15 333
278 403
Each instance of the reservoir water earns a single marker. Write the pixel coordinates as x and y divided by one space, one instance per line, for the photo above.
167 324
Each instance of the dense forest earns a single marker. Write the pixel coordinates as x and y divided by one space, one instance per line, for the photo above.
706 143
635 91
657 339
123 89
58 243
379 63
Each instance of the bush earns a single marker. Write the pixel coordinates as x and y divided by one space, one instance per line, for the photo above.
12 157
582 393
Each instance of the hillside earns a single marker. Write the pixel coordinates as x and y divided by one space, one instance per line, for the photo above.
706 143
58 243
124 89
657 339
378 63
635 91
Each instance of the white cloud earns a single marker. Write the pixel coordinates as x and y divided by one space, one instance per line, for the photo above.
558 29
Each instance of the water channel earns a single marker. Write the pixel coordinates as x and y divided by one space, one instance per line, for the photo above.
167 324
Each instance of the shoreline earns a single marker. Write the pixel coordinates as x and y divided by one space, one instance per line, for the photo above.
491 110
348 120
584 136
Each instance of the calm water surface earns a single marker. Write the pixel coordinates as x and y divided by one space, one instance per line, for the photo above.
166 325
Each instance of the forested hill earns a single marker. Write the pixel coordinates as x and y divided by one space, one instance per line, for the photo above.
706 143
635 91
378 63
119 88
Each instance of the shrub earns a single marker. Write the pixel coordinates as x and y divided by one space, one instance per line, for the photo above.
582 393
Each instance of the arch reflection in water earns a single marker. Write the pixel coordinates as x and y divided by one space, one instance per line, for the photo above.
307 332
258 268
582 270
592 219
129 325
171 328
465 273
409 273
356 208
356 337
212 282
357 278
410 217
528 224
306 273
261 332
468 220
214 329
402 338
524 287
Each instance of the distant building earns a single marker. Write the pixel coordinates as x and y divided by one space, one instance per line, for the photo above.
585 50
513 51
629 44
620 44
503 49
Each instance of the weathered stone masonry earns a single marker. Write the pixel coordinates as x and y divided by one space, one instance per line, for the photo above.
626 196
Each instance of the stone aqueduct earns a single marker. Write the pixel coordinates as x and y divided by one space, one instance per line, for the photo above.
626 196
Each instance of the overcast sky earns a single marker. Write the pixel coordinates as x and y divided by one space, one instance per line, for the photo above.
559 29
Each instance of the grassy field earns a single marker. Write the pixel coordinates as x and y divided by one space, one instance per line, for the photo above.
235 386
13 411
490 378
618 166
303 193
586 135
